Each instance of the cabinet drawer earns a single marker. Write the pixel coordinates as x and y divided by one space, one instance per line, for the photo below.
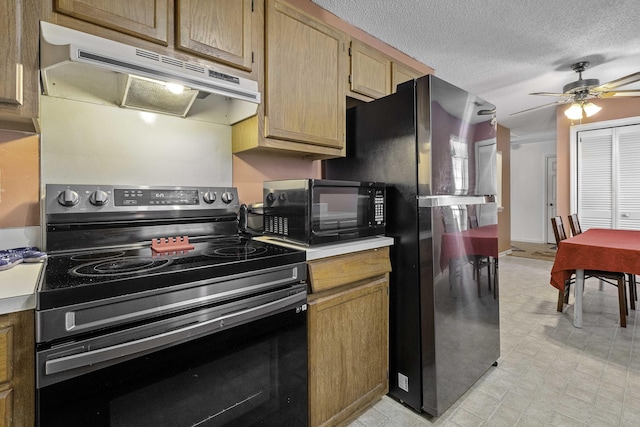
332 272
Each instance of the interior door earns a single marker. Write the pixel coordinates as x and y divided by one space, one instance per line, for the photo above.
552 189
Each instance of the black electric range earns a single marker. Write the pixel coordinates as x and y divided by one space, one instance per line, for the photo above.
152 291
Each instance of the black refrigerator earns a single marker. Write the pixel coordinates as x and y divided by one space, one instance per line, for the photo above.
434 145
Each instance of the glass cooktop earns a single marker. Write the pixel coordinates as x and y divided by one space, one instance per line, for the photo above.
91 275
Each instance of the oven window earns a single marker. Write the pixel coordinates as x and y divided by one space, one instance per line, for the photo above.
251 374
338 208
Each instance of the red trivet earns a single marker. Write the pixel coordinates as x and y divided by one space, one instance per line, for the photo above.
171 244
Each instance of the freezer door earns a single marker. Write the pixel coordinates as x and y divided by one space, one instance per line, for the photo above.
456 140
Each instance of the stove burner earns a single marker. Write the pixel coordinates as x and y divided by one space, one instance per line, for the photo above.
97 256
239 251
119 266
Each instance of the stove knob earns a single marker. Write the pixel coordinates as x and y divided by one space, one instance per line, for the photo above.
68 198
283 197
209 197
99 198
227 197
270 198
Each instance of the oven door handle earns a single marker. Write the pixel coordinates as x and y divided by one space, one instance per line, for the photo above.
129 349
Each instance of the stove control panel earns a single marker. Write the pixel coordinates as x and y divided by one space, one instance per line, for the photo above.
62 198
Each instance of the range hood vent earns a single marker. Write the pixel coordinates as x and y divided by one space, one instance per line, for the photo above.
83 67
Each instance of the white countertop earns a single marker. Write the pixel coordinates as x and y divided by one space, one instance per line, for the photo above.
18 287
18 284
333 249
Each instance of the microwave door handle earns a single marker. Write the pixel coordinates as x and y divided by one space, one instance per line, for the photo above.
325 233
76 361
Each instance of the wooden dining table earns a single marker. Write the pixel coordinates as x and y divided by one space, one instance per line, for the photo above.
595 249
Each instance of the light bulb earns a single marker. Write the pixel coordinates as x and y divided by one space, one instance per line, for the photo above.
175 88
574 112
590 109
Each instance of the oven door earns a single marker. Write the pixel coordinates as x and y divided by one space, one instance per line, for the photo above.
245 367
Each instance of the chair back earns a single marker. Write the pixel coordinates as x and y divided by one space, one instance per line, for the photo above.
574 224
558 229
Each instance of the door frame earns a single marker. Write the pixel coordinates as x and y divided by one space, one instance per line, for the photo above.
547 222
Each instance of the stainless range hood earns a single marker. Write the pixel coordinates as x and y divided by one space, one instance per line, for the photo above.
83 67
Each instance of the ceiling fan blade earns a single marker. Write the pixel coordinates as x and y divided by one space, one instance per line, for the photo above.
631 78
550 94
540 106
620 93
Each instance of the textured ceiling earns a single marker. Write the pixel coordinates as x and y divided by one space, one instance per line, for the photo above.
502 50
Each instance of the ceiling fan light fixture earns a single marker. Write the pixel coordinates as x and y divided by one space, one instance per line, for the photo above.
590 109
574 112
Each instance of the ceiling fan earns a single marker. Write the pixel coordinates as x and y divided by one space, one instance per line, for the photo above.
583 90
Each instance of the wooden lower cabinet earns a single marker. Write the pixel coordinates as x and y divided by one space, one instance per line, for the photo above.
17 385
348 336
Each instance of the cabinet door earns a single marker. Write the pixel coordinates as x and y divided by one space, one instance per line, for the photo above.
11 65
370 71
18 64
220 29
305 90
401 74
146 19
348 351
6 407
17 385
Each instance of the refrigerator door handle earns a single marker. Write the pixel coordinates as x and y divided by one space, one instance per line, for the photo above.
434 201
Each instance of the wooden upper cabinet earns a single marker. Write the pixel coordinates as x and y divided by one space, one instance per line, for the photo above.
401 74
19 64
220 29
11 66
146 19
370 71
304 85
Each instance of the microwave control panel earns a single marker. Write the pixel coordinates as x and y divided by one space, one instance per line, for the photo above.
378 207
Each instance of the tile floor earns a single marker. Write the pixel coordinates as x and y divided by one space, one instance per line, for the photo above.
549 373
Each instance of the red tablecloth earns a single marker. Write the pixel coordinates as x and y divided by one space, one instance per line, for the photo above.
597 249
481 241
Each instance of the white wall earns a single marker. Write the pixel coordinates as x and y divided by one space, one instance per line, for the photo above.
84 143
528 181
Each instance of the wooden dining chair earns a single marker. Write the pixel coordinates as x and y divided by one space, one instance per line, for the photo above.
576 229
559 233
614 278
574 223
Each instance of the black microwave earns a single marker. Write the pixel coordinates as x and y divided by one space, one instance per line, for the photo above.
317 211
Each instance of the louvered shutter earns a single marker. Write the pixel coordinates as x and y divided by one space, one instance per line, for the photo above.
595 179
628 177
